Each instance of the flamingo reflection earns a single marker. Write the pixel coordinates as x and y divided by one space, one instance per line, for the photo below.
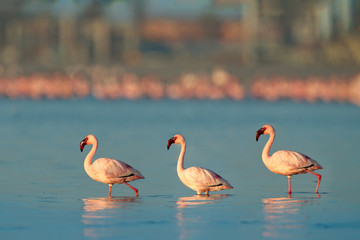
95 215
282 214
183 222
101 203
183 202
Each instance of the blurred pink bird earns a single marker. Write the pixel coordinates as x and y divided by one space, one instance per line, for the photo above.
198 179
108 170
286 163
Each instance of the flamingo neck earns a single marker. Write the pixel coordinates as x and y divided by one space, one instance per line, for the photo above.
180 164
90 156
266 150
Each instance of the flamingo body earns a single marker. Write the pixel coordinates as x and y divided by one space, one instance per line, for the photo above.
107 170
111 171
290 163
286 162
199 179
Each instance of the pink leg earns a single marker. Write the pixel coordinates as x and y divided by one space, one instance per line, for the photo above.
319 180
110 186
289 180
135 189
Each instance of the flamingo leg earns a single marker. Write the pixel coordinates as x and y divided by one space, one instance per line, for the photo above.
135 189
289 180
319 179
110 186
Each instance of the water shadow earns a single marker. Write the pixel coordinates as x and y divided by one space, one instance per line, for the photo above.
184 222
282 215
96 213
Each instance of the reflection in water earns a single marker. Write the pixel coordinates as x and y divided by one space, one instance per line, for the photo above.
194 201
281 215
183 202
95 213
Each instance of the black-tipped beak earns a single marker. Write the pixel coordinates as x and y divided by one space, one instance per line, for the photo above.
170 141
82 144
259 133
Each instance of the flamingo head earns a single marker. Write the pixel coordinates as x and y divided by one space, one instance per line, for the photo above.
90 139
83 143
266 129
176 139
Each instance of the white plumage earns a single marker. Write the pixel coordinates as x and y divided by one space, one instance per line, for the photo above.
285 162
107 170
199 179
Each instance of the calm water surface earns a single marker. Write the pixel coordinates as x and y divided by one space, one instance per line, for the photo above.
46 194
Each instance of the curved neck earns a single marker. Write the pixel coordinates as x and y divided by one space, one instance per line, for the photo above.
89 157
180 164
266 150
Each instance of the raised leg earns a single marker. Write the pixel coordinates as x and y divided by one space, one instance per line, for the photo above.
135 189
319 180
289 180
110 186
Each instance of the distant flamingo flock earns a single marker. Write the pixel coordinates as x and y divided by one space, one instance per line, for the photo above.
111 171
103 83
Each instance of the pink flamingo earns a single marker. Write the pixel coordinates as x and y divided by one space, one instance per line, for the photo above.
108 170
198 179
286 163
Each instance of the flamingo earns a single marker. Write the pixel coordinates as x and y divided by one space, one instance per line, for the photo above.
199 179
284 162
108 170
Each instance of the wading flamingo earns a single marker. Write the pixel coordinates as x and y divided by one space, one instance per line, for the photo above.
286 163
107 170
199 179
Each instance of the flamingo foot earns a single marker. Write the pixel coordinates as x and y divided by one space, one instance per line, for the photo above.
136 192
110 186
135 189
289 188
319 180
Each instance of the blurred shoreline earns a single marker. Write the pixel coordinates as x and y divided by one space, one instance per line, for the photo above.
297 50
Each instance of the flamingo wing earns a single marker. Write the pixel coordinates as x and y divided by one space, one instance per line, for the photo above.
203 177
292 162
115 170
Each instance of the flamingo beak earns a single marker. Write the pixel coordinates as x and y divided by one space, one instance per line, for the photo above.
82 144
170 141
259 133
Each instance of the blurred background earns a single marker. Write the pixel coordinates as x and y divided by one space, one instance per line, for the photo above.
294 64
209 49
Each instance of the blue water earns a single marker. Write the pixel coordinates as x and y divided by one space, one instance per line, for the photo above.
46 194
